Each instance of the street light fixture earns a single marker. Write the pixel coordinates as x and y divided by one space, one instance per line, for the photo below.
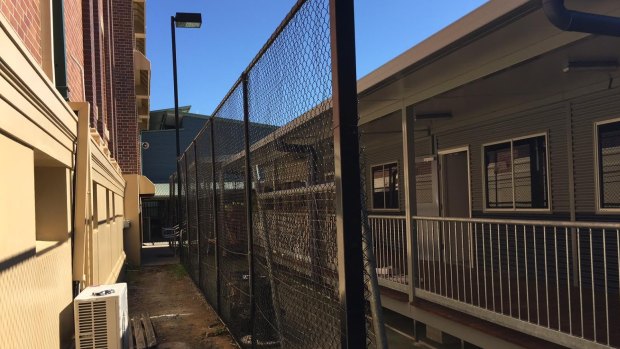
181 20
188 20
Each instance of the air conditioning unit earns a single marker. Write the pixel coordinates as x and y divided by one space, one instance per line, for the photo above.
101 317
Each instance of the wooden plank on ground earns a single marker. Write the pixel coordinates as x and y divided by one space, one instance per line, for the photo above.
149 331
138 333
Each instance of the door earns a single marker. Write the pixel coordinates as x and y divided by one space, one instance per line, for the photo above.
427 205
455 203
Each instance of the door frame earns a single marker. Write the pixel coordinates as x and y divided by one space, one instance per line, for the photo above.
448 151
440 153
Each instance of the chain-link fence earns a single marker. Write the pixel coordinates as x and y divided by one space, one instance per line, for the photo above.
259 204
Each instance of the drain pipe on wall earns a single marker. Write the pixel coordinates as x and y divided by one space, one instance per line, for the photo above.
569 20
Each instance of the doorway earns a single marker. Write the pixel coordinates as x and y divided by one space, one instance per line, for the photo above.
455 203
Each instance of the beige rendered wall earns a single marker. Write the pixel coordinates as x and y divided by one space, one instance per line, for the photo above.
133 235
100 188
38 131
35 264
108 251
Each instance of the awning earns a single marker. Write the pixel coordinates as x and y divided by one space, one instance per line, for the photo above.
147 188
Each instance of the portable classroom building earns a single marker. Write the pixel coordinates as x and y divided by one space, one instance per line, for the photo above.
508 129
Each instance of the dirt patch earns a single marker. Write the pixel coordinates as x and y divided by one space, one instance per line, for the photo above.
178 310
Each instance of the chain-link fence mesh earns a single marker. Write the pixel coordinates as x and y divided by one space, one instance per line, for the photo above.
289 87
275 283
234 298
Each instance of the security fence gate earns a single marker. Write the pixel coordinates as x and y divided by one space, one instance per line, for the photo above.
155 216
274 231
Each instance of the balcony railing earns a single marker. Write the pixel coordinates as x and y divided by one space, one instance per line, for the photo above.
556 280
390 247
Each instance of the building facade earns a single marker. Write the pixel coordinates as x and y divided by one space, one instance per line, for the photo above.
159 141
71 107
491 153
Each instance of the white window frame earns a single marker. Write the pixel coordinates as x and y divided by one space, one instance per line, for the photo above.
514 208
597 165
372 201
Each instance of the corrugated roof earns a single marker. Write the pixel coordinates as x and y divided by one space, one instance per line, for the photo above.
162 189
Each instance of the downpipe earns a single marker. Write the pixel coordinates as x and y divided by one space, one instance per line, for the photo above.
583 22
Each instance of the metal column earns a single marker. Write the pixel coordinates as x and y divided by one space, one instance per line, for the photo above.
216 230
176 116
189 252
248 203
197 212
408 119
347 175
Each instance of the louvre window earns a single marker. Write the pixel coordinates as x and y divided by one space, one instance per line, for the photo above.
385 186
609 165
516 174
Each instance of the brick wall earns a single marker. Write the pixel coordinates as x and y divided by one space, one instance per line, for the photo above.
109 80
90 80
99 31
99 52
75 49
25 17
127 132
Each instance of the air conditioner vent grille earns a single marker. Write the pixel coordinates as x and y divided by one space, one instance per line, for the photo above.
93 325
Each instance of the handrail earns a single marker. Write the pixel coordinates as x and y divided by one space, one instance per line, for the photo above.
376 216
580 224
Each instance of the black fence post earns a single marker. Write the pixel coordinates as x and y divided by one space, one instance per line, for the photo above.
188 256
179 203
347 175
197 181
248 203
216 229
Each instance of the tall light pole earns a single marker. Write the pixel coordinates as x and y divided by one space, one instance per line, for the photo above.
180 20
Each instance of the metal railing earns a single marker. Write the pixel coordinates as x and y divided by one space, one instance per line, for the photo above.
555 280
389 237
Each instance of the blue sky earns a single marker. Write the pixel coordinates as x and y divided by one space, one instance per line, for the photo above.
210 59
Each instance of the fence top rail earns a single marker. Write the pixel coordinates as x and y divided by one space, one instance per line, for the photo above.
282 131
262 51
312 189
561 224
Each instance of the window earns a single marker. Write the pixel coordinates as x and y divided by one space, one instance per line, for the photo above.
385 186
516 174
608 136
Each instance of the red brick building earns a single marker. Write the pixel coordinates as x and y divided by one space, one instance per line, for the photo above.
105 63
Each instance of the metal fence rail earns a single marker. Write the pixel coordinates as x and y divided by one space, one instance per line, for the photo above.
261 205
558 280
